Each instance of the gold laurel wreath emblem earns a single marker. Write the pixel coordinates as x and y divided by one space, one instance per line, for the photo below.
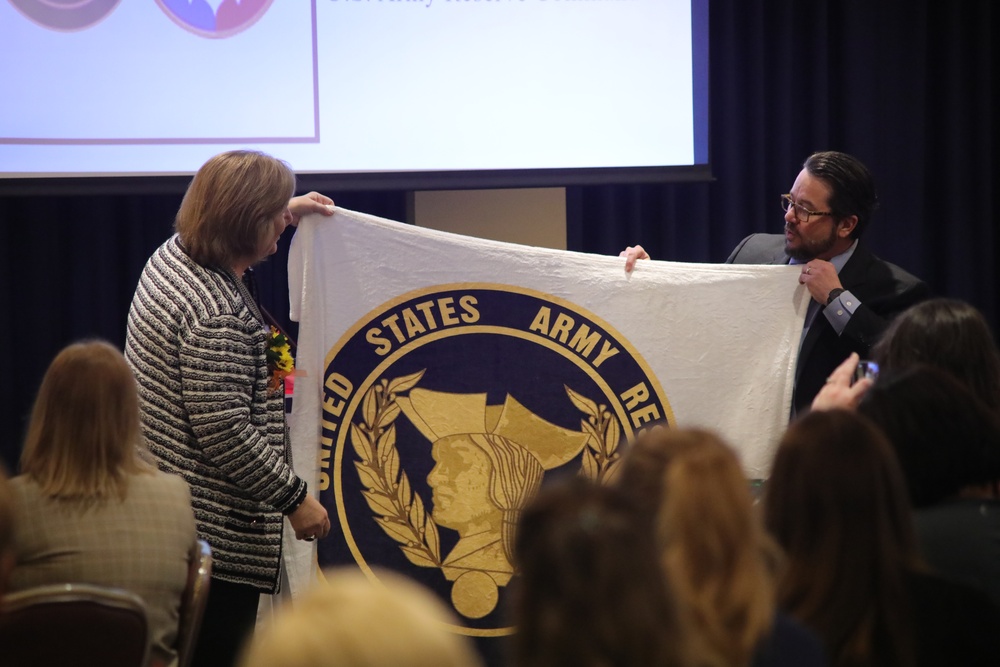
601 458
398 509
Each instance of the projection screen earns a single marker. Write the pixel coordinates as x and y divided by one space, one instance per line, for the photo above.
378 93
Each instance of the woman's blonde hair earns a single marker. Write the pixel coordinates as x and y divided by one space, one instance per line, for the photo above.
227 211
350 621
715 551
83 438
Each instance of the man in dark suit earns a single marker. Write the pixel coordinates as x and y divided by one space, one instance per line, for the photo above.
854 293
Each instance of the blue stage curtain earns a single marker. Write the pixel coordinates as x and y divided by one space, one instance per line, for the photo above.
69 266
906 85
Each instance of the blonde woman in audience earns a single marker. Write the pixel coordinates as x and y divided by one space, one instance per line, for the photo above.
352 621
590 591
88 508
836 502
718 559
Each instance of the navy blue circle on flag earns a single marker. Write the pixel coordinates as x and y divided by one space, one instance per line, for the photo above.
444 412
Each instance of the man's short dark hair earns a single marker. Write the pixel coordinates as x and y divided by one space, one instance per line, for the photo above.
851 185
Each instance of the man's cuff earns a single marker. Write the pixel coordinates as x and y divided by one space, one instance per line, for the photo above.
839 311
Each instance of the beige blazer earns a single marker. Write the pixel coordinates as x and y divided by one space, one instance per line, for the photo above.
140 544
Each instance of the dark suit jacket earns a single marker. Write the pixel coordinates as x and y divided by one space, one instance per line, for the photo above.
883 289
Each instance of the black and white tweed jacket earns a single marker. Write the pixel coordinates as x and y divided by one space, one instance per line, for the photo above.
196 343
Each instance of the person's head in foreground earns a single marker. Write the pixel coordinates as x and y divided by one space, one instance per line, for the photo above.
591 592
715 551
836 503
948 334
947 441
348 620
83 436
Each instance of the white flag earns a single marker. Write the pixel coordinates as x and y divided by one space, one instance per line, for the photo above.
419 350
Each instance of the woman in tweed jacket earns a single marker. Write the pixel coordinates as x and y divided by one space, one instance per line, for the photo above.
197 343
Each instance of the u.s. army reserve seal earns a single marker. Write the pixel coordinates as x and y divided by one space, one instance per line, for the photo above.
444 411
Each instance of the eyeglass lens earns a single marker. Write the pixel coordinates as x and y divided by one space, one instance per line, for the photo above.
800 214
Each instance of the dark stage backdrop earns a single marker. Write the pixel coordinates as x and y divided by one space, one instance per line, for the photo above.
905 85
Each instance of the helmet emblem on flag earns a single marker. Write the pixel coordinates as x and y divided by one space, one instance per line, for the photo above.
444 411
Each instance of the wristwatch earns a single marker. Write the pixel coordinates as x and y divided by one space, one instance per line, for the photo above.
834 293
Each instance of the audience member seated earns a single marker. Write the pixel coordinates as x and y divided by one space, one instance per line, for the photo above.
948 334
89 508
6 532
590 592
836 502
716 554
948 444
350 621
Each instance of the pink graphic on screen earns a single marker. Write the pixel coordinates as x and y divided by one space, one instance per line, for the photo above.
65 15
217 19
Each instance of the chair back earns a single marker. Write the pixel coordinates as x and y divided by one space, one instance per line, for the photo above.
193 601
73 624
